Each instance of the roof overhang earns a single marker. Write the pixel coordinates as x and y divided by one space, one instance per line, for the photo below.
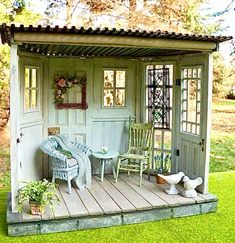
64 41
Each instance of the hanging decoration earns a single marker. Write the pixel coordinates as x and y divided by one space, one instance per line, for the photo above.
63 85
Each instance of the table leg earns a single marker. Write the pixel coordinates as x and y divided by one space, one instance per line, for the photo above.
114 169
102 161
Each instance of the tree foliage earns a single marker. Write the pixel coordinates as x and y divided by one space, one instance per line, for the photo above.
18 13
223 76
170 15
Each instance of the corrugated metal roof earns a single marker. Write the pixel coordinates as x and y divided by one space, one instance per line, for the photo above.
7 33
97 51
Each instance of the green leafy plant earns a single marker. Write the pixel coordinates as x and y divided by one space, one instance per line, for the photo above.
42 192
162 163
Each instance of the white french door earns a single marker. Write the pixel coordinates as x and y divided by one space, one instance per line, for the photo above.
191 135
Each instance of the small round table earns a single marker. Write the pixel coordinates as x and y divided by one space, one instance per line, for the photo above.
105 158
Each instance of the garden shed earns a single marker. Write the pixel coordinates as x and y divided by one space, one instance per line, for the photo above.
115 74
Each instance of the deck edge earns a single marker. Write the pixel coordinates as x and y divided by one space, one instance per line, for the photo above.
16 227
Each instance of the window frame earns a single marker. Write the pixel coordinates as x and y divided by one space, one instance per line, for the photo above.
30 88
197 122
162 149
114 106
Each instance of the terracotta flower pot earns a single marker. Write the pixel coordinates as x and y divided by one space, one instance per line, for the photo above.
36 208
160 180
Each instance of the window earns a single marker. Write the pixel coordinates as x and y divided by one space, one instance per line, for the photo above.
30 89
159 91
114 88
190 99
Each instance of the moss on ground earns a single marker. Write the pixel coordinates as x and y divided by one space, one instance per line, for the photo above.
213 227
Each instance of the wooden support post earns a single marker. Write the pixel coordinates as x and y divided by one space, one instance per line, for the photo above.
14 126
207 101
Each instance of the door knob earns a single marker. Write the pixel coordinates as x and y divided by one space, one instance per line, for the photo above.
202 144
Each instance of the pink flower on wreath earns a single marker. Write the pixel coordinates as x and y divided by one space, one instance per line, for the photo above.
75 81
62 82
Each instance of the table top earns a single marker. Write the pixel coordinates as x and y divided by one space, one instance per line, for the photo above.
110 154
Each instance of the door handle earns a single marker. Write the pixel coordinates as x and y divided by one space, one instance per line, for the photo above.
18 140
202 144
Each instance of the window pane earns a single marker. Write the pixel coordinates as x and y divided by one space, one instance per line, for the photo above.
120 97
108 78
26 82
167 140
157 139
34 78
194 73
192 101
190 74
120 79
26 100
199 72
33 99
108 97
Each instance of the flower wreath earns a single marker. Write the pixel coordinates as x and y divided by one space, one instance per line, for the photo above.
62 85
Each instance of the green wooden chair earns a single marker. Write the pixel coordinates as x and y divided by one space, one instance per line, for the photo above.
137 159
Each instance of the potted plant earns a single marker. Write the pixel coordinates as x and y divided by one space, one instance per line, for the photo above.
162 166
39 194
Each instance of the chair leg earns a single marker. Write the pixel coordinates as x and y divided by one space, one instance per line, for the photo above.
141 171
148 171
102 162
128 172
53 177
69 186
113 169
118 166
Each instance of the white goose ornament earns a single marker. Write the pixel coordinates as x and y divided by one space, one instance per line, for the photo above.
172 180
190 186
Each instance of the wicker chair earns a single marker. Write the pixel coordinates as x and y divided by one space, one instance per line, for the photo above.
63 168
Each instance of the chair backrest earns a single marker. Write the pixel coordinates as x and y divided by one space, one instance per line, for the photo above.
140 137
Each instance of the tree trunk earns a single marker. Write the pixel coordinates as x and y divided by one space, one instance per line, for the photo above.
69 8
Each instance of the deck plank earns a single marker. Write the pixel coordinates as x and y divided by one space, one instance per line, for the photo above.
88 200
198 199
143 191
122 202
134 198
60 210
27 216
48 214
208 197
179 198
104 200
73 202
169 199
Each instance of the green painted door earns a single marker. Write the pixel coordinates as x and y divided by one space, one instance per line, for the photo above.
192 130
31 119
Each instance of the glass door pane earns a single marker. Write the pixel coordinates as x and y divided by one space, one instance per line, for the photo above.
191 99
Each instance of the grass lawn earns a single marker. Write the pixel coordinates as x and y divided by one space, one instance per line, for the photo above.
213 227
223 136
222 151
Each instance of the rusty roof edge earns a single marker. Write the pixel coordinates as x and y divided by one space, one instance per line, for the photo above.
7 33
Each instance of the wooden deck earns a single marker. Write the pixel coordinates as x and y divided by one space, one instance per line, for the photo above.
107 204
